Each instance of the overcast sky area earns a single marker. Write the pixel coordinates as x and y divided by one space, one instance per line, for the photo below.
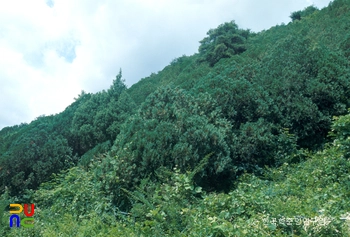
51 50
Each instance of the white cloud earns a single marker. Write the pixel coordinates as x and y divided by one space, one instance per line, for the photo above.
51 50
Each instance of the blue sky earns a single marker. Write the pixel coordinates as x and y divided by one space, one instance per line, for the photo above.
50 50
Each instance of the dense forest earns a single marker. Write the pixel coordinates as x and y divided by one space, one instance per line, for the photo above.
248 137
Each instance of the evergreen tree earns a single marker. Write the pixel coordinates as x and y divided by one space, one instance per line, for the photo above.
223 42
173 129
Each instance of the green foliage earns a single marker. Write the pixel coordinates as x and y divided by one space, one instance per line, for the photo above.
91 154
341 131
345 46
163 207
176 73
86 135
262 116
172 128
298 15
261 143
308 83
78 191
117 87
281 203
33 157
223 42
117 113
339 7
99 116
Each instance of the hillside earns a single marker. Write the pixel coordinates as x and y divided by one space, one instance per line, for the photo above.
247 137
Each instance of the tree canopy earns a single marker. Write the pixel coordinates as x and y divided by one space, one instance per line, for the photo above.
215 144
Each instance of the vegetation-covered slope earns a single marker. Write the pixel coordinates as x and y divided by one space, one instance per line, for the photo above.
216 144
